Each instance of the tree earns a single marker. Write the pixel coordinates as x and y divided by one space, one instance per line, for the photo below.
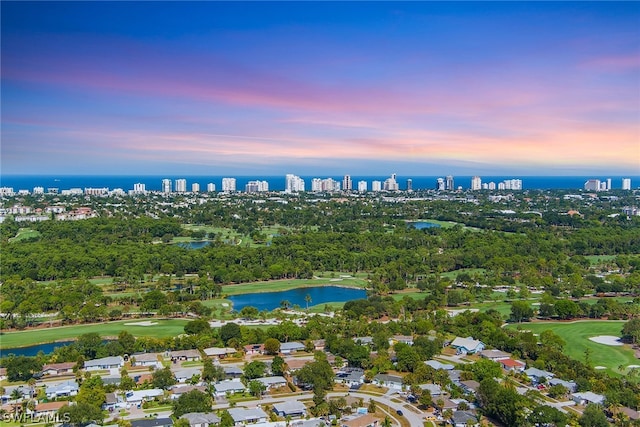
371 408
193 401
257 388
631 331
272 346
593 416
198 326
226 420
211 372
21 368
254 369
89 344
307 299
163 378
249 312
229 331
92 392
81 414
521 311
278 366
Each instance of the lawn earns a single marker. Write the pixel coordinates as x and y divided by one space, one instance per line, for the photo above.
23 234
576 336
163 328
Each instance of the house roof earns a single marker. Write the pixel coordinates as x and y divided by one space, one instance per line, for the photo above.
439 365
219 351
510 363
538 373
494 354
388 378
50 406
156 422
146 357
185 353
434 389
105 361
137 395
461 417
62 387
201 418
468 343
59 366
272 380
589 396
290 407
470 384
246 414
224 386
294 345
361 421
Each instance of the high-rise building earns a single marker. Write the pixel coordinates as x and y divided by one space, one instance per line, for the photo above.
376 186
211 187
228 184
347 185
449 185
476 183
491 186
608 184
181 185
440 184
166 186
409 184
362 186
626 183
390 184
195 187
40 190
256 186
293 184
592 185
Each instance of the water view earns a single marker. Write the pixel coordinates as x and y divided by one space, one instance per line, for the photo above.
33 350
420 225
319 295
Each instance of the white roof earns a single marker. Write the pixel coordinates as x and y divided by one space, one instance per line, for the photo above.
201 418
590 397
272 380
138 395
224 386
105 361
434 389
439 365
219 351
294 345
246 414
468 343
290 407
539 373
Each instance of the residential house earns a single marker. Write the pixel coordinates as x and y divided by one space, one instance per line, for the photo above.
111 402
231 386
105 363
365 420
146 359
48 409
152 422
186 355
404 339
136 397
434 389
538 375
178 391
232 371
294 364
586 397
290 408
242 416
390 381
364 341
511 365
464 419
571 386
439 365
350 376
454 376
219 352
291 347
111 379
62 389
632 414
201 419
319 345
470 386
494 355
3 374
272 382
184 375
467 345
252 349
55 369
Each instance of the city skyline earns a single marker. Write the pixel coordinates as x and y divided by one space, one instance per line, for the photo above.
421 88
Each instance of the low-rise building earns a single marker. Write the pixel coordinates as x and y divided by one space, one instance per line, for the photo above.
146 359
105 363
232 386
290 408
291 347
55 369
586 397
152 422
62 389
467 345
390 381
201 419
243 416
186 355
511 365
272 382
494 355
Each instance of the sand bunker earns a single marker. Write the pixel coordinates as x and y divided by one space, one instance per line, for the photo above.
143 323
600 367
633 366
606 339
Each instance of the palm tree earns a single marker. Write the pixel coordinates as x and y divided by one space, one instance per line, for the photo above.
307 299
285 304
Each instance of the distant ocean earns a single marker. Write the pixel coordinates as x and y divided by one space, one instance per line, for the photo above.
277 183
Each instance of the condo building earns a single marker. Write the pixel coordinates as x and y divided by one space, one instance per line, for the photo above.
293 184
376 186
256 186
362 186
166 186
347 185
476 183
626 183
449 185
195 187
181 185
228 184
211 187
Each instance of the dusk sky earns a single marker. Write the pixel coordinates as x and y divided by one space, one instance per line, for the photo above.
420 88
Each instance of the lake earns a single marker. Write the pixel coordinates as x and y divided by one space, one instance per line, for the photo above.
420 225
33 350
319 295
193 245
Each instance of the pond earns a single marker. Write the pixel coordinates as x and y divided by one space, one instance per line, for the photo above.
420 225
319 295
194 245
33 350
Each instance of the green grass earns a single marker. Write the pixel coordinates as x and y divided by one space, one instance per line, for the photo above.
164 328
25 233
577 334
599 259
470 271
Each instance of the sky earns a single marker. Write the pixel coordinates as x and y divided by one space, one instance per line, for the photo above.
361 88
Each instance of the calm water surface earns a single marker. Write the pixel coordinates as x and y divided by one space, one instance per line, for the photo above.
319 295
